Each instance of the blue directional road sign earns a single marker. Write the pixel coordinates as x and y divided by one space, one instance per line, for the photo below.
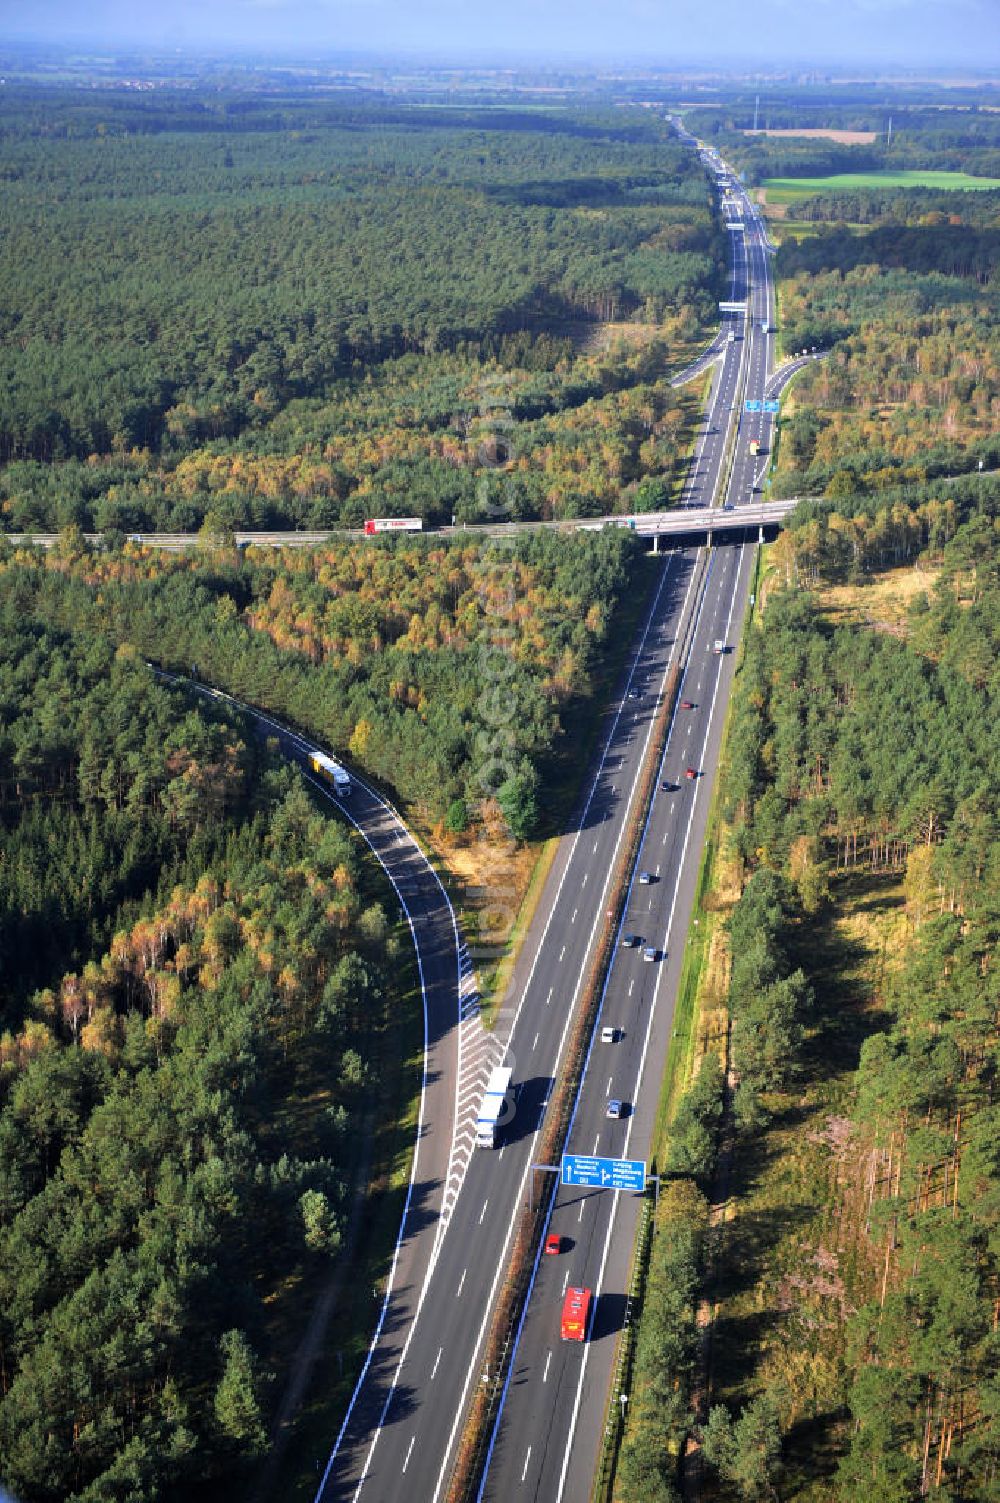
752 405
607 1174
772 406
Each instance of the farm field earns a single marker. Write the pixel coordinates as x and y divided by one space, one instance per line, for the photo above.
843 137
784 190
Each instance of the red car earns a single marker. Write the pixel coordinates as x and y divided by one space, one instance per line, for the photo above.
692 772
686 704
553 1243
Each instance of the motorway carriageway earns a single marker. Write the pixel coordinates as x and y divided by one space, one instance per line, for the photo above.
546 1442
398 1442
420 1405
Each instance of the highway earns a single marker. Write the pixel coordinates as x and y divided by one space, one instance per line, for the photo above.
546 1441
666 524
408 1453
398 1438
457 1051
419 1407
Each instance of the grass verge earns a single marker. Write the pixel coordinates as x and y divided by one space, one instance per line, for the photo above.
494 977
682 1049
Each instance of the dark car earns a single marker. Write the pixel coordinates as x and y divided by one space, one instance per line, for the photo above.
629 941
668 787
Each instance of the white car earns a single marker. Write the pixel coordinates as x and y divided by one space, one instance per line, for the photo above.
608 1035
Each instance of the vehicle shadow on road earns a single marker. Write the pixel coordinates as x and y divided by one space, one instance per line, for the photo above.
528 1110
423 1208
609 1317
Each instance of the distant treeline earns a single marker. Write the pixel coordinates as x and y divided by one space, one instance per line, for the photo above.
953 250
979 208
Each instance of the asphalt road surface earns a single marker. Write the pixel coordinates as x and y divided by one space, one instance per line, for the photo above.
547 1439
398 1439
408 1453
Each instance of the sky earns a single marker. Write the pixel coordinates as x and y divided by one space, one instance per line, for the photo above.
872 34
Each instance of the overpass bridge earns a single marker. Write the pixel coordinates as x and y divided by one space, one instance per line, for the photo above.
683 523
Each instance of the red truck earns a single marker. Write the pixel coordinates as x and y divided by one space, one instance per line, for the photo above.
575 1314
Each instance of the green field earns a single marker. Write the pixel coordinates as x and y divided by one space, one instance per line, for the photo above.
784 190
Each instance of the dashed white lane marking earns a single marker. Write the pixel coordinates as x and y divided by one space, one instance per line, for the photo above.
545 1374
526 1460
610 1079
595 847
575 912
437 1359
585 876
408 1451
630 986
583 1204
565 1280
483 1211
548 999
461 1283
534 1044
596 1141
562 952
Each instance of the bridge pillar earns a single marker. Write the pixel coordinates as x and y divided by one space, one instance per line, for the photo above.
760 533
656 542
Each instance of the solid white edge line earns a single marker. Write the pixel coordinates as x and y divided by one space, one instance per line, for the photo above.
569 1016
631 1119
594 1034
651 616
652 1012
409 1188
304 745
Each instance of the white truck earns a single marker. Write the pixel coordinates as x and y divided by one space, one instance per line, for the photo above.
488 1121
393 524
331 772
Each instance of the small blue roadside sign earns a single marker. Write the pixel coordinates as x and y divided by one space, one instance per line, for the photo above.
605 1174
752 405
772 406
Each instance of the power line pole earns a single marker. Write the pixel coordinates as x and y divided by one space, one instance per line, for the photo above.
756 108
888 134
